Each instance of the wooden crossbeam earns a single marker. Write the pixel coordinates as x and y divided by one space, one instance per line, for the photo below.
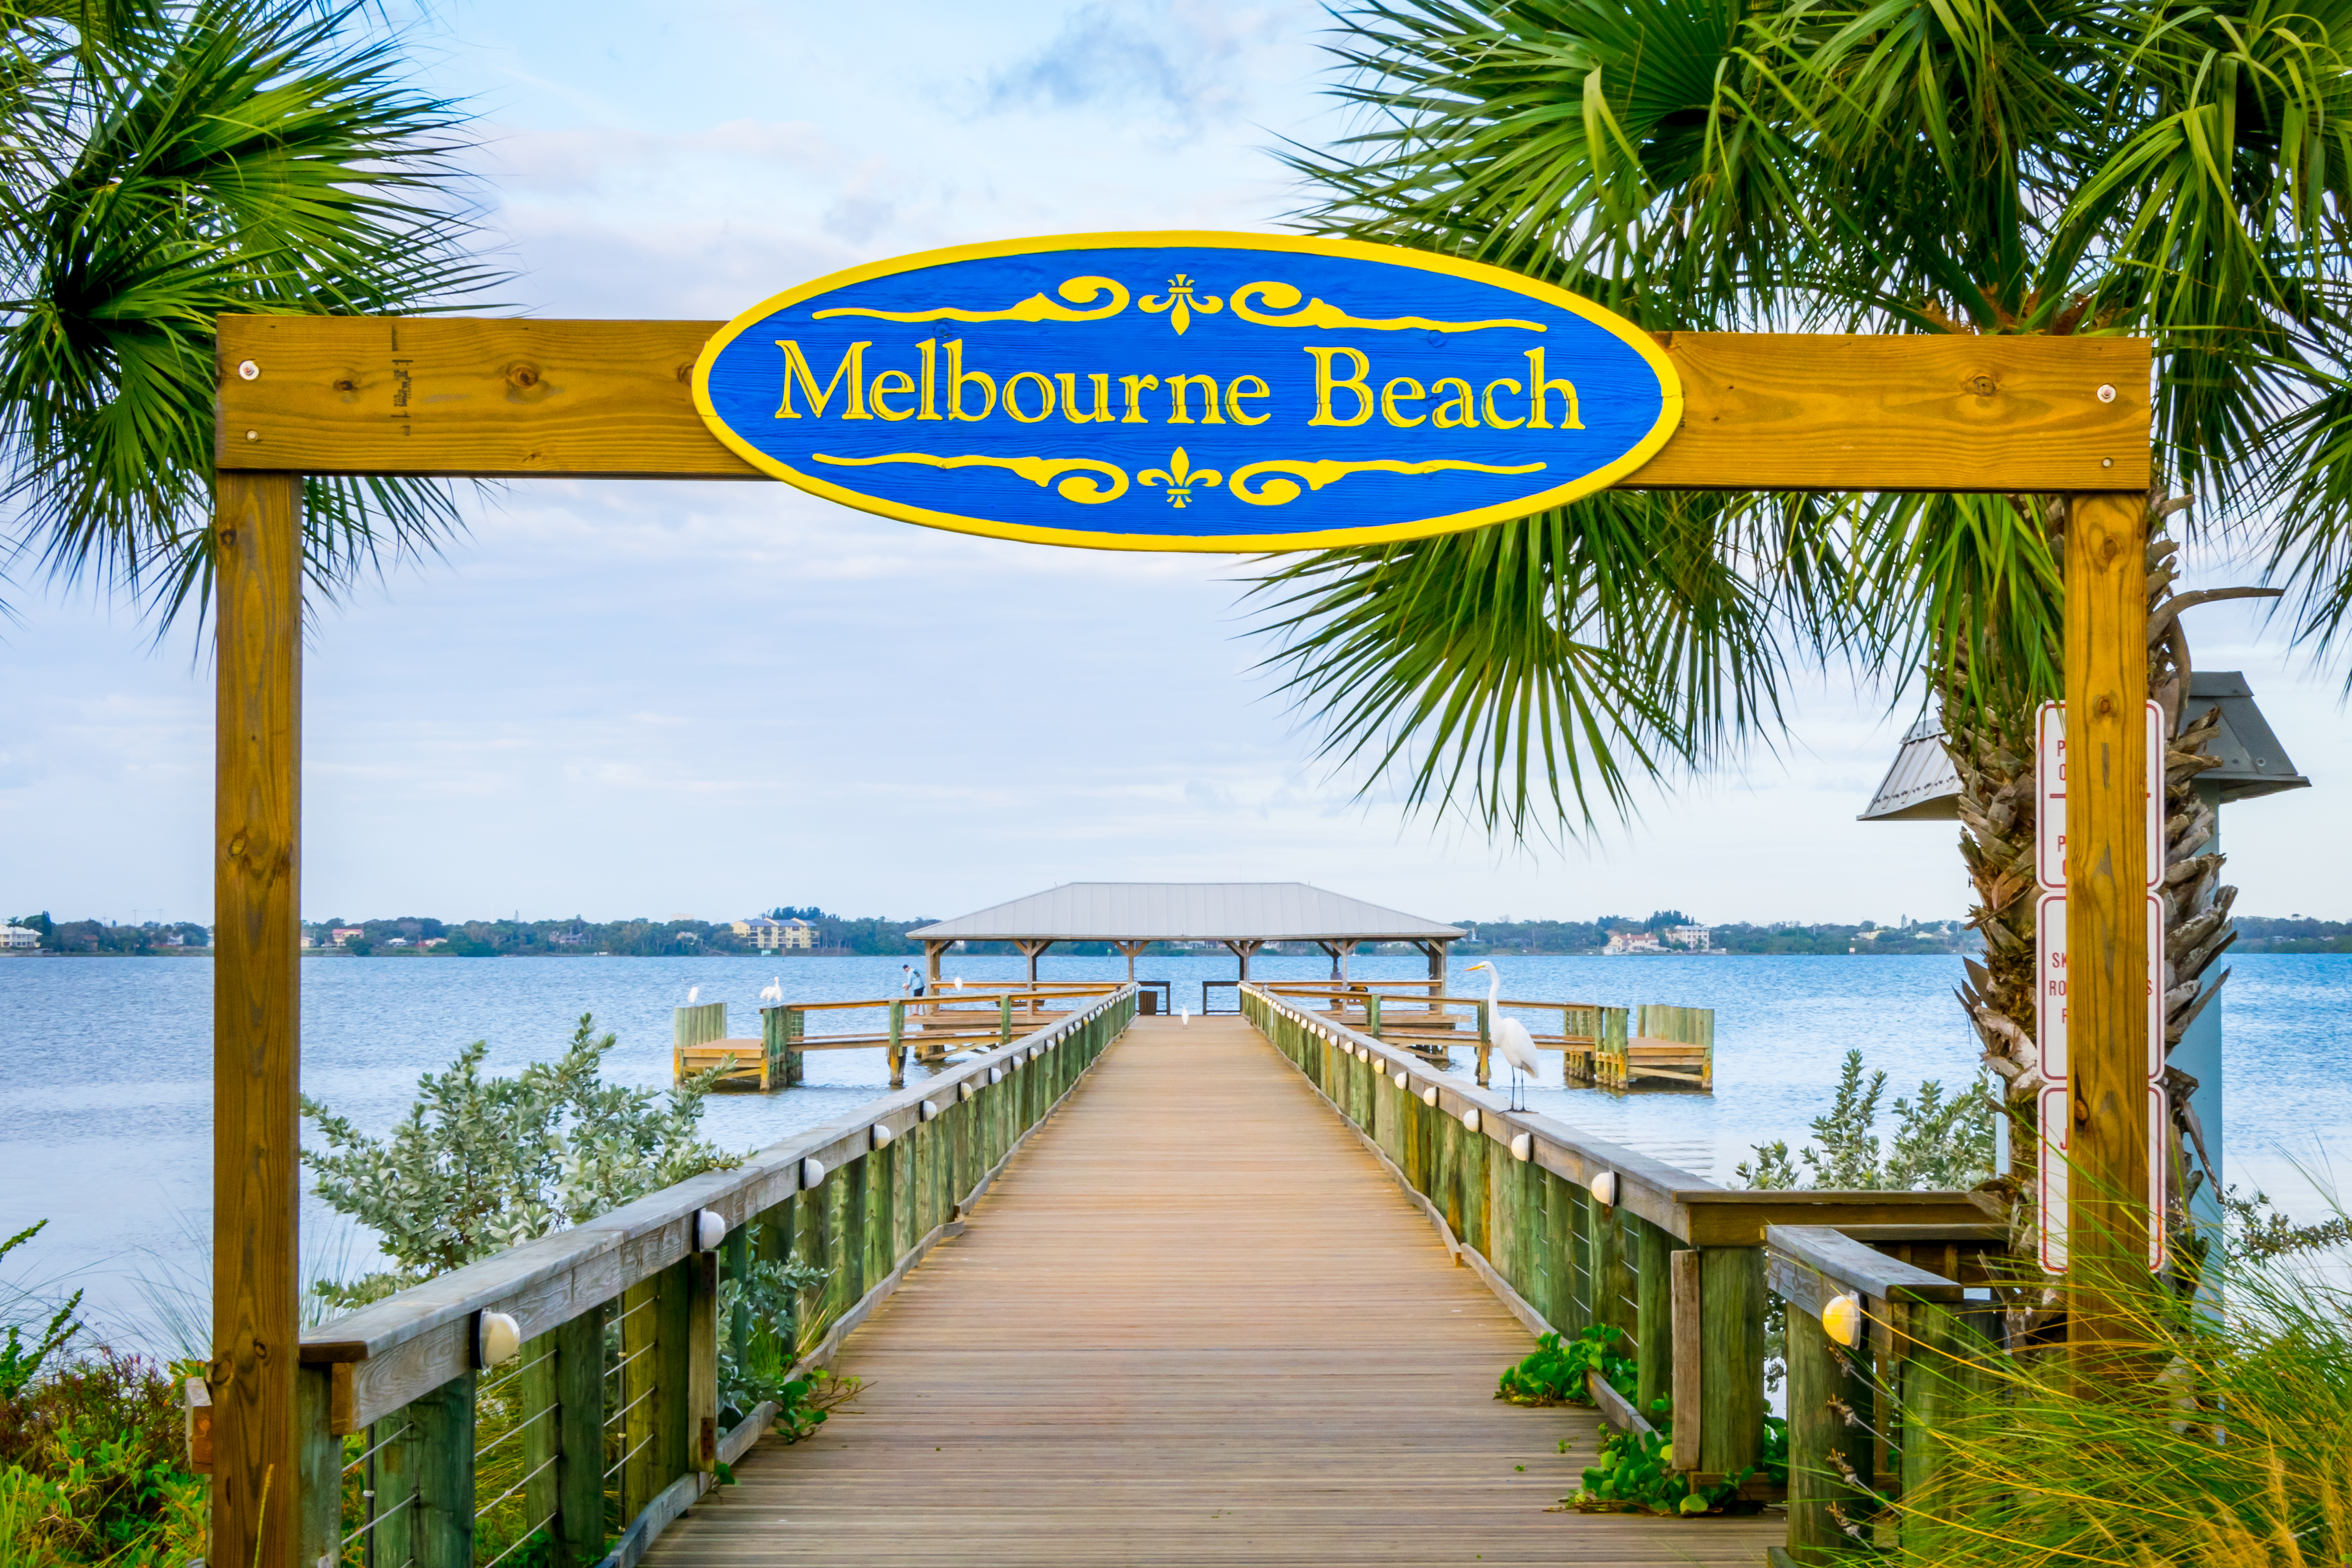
489 398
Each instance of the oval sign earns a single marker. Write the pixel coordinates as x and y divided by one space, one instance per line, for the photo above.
1219 392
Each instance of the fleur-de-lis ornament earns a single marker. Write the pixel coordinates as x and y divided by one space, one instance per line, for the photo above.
1180 303
1180 476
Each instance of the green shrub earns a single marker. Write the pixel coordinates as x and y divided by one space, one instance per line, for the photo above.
481 1165
1636 1473
92 1469
1554 1375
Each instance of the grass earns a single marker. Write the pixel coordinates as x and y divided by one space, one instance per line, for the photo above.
2209 1442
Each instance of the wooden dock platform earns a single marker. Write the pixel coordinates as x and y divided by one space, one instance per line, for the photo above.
1194 1321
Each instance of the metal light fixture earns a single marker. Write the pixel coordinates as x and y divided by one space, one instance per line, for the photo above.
881 1135
930 1108
1429 1095
1470 1117
811 1174
709 1229
1402 1081
1523 1147
1604 1189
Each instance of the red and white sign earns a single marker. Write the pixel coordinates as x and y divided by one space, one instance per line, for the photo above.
2051 1003
2057 1125
2050 784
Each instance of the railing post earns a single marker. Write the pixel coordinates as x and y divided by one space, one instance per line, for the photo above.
699 1276
319 1459
897 1045
1731 1356
1485 1042
1373 1014
1825 1384
1654 1315
640 1460
1689 1351
1939 1374
577 1479
441 1534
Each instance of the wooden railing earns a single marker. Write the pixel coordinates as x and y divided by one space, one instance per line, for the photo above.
1571 1231
566 1392
933 1028
1670 1046
1866 1401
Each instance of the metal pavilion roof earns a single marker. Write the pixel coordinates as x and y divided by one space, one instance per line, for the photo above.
1922 784
1187 912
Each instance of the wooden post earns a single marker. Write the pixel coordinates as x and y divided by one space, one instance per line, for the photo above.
257 1043
640 1459
897 1045
1731 1357
1689 1394
2106 923
1654 1315
699 1276
443 1533
579 1529
320 1536
1485 1042
1825 1383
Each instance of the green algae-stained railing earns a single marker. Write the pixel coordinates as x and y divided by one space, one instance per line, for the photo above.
559 1401
1571 1230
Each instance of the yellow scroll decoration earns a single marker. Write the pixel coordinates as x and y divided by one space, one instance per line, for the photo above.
1317 313
1080 487
1036 307
1319 473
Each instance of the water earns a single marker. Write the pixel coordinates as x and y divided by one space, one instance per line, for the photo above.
105 1067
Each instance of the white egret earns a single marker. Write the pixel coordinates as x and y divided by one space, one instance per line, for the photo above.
774 991
1510 1036
693 995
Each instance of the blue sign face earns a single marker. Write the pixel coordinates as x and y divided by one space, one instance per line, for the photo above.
1220 392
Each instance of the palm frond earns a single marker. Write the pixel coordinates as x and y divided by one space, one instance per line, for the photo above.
241 155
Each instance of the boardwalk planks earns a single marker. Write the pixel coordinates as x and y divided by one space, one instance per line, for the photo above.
1156 1347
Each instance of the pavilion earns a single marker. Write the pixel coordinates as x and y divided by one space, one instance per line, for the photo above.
1241 916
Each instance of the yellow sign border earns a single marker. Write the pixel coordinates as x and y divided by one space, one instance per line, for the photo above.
1670 390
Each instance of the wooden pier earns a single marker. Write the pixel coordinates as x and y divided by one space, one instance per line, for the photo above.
1137 1353
1231 1291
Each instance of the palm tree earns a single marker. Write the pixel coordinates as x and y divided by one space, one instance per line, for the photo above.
1963 166
167 164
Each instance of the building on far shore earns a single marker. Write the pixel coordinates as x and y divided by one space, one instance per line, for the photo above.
775 936
17 938
1673 939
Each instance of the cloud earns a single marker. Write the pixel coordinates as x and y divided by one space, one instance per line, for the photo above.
1178 58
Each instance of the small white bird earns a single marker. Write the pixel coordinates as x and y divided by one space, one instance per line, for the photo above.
957 983
693 995
774 991
1510 1036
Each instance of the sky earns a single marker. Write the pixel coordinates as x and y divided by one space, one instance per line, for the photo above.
622 699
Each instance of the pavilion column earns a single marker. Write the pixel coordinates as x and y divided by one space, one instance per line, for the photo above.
1437 952
931 953
1242 949
1131 949
1030 949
